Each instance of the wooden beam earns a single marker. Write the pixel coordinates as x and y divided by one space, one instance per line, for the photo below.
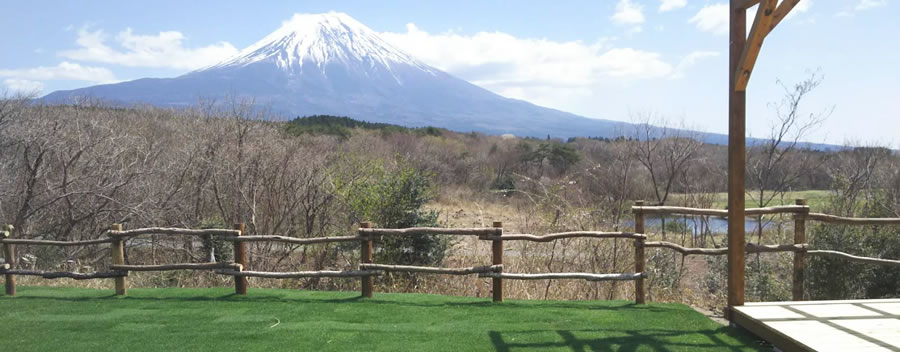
754 42
737 140
781 12
744 4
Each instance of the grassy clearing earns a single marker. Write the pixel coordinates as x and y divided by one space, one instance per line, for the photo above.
49 319
817 199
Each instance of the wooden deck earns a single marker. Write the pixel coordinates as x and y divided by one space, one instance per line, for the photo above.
854 325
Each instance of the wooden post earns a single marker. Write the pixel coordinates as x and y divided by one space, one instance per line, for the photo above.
799 257
736 158
365 257
118 258
639 256
240 257
9 252
497 259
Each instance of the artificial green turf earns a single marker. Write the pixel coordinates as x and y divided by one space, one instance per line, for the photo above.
70 319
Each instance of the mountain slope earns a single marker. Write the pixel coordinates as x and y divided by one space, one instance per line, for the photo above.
331 64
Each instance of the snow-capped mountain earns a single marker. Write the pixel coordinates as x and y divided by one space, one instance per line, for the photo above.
332 64
317 40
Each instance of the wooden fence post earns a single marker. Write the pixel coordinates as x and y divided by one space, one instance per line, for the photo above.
9 252
118 258
240 257
639 255
365 257
800 256
497 259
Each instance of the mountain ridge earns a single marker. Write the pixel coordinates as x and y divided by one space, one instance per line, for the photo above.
331 64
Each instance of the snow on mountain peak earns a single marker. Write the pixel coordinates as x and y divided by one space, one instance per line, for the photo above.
319 39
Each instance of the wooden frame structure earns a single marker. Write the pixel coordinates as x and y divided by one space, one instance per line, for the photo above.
743 52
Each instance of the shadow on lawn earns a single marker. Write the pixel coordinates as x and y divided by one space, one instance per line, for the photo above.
629 340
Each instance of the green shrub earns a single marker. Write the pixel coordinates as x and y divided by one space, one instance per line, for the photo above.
393 196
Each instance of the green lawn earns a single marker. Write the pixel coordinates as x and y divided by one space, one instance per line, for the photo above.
817 199
70 319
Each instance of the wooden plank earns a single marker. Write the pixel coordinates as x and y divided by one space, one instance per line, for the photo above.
566 276
56 243
783 342
118 258
799 257
178 266
70 274
737 131
572 234
781 209
299 274
753 44
240 256
640 296
497 259
171 231
367 282
295 240
866 260
9 253
852 221
431 270
744 4
748 248
781 12
478 231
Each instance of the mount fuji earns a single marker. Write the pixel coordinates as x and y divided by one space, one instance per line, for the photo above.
332 64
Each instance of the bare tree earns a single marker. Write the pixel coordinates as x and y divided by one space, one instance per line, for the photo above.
776 164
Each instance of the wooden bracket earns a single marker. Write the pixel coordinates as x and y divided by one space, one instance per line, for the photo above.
754 43
781 12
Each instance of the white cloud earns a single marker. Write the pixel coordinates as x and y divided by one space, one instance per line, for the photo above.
868 4
715 19
500 58
669 5
628 13
712 18
63 71
165 50
690 60
543 71
23 86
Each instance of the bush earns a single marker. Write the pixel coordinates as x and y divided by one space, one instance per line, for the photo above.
393 196
837 278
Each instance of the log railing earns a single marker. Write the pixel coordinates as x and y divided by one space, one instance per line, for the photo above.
800 213
366 270
367 236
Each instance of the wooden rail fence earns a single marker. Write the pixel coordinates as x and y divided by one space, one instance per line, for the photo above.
116 237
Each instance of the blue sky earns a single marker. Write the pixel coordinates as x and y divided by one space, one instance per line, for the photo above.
613 59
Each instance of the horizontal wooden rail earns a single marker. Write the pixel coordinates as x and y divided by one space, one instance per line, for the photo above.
4 266
478 231
686 250
852 221
295 240
750 248
67 274
867 260
781 209
432 270
172 231
566 276
55 243
561 235
180 266
300 274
